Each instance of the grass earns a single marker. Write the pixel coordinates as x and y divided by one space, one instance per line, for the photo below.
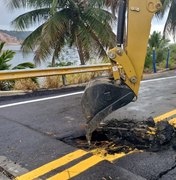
51 82
25 84
161 66
81 78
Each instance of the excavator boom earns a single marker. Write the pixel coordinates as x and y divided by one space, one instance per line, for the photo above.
103 96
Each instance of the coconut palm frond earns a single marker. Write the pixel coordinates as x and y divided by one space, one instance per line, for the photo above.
56 27
32 40
1 46
165 8
5 57
84 40
31 18
170 25
15 4
53 35
42 52
24 65
107 36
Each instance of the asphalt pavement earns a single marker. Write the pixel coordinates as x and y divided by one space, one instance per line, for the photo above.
30 126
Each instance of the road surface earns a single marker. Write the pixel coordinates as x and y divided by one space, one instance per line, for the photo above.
31 125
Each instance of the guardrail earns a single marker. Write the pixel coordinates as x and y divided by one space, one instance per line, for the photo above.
28 73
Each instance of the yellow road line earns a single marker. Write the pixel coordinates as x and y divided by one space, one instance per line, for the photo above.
164 116
52 165
173 122
102 153
112 158
77 169
85 164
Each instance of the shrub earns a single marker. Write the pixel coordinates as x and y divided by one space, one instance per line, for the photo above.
25 84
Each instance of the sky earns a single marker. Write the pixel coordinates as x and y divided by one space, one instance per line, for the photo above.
8 15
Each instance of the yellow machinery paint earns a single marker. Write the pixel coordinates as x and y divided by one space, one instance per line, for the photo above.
128 63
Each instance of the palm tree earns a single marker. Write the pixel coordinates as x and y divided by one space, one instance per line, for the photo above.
156 40
169 6
5 57
24 66
160 44
74 22
170 25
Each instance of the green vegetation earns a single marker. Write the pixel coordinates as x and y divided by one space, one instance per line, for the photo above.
75 23
172 61
61 64
5 58
161 46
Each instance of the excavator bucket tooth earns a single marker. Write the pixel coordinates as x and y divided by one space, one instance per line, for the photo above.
102 97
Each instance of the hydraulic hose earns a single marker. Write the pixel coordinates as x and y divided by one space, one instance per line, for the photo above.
121 22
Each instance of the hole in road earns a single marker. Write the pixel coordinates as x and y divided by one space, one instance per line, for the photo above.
127 135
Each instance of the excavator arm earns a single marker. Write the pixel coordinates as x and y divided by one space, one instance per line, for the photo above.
103 96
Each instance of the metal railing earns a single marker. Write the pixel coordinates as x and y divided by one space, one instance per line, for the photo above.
29 73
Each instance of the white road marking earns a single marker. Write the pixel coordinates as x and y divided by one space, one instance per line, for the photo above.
39 100
70 94
158 79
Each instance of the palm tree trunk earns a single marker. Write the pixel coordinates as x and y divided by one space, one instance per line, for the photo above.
55 56
53 63
80 50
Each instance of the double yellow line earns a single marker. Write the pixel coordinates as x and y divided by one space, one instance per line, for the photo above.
85 164
52 165
69 172
169 116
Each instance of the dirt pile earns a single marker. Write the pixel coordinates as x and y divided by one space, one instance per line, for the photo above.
128 135
141 135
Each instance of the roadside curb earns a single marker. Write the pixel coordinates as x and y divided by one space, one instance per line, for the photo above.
9 169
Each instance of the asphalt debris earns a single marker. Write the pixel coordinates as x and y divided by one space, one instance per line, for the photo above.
141 135
125 136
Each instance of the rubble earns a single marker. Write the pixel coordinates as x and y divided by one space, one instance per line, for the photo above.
128 135
141 135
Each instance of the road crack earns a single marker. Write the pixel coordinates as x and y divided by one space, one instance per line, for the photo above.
165 172
48 134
